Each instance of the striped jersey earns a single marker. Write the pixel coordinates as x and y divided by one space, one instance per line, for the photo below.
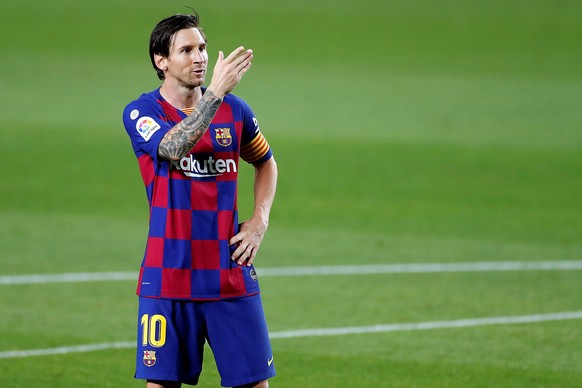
193 201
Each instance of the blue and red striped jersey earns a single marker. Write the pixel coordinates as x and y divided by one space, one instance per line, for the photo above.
193 201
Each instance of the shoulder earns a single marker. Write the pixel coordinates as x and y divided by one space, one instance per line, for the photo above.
232 100
235 101
142 113
239 107
145 101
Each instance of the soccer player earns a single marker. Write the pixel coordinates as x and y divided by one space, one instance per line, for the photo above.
197 282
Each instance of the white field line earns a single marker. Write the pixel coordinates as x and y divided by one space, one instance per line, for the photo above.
67 350
67 277
318 271
524 319
428 325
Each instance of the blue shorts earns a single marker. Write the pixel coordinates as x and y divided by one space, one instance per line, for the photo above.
172 333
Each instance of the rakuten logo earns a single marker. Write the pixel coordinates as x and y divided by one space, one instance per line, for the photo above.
204 168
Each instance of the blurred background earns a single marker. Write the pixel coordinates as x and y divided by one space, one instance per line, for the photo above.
405 132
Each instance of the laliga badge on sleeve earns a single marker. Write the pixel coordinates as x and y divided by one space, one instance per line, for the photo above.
146 127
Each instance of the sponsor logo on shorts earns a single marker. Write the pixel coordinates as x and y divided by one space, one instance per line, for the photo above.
270 361
253 274
149 357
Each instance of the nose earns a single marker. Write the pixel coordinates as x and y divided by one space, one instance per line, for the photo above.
197 56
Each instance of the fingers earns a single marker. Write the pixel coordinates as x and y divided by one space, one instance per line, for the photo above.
243 68
240 59
237 53
247 244
229 71
244 253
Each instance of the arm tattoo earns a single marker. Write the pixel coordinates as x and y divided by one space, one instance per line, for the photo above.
184 135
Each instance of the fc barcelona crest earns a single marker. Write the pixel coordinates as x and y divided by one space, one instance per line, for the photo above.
223 137
149 357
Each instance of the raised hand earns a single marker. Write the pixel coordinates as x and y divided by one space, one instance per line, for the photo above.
229 71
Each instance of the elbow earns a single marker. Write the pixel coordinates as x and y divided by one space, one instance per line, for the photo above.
171 158
171 154
271 164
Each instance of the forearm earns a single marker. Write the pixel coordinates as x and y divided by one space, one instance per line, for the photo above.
264 189
227 74
249 238
184 135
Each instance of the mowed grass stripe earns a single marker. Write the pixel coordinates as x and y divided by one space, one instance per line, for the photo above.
318 271
462 323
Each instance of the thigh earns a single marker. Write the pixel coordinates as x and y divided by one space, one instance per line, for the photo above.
170 341
239 339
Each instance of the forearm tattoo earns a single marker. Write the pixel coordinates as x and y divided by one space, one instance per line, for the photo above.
184 135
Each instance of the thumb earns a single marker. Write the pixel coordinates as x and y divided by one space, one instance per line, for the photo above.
220 57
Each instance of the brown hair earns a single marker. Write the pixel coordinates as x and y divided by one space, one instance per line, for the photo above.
163 34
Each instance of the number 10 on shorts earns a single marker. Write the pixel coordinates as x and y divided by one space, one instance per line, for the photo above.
153 330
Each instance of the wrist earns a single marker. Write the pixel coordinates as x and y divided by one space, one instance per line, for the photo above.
215 92
261 215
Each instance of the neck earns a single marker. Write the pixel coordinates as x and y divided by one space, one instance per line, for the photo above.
181 96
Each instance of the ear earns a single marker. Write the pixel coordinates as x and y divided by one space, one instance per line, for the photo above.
161 62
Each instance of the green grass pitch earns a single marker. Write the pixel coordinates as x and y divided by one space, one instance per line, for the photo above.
406 132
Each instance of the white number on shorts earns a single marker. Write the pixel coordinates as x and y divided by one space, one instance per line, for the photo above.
154 330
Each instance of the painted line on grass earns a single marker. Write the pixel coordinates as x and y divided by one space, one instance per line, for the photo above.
67 350
423 268
319 271
524 319
428 325
67 277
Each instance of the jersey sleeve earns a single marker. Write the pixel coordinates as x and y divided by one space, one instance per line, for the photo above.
254 146
144 126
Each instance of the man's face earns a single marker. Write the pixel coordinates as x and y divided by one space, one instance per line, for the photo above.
188 59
